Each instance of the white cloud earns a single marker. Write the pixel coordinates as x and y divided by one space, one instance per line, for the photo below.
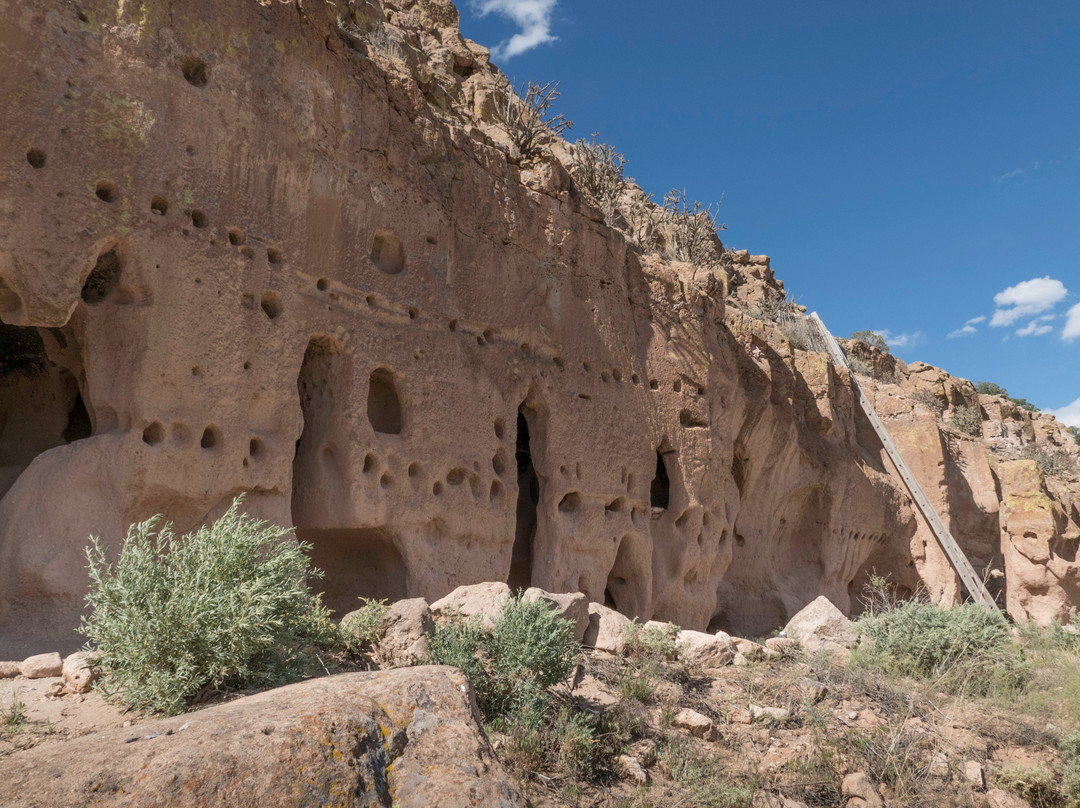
901 340
1033 329
1070 413
533 17
1027 298
1008 175
968 328
1072 324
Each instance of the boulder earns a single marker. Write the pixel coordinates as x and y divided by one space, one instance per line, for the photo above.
701 650
572 606
473 600
79 675
406 738
404 632
999 798
40 666
858 787
632 769
606 630
9 670
820 626
695 723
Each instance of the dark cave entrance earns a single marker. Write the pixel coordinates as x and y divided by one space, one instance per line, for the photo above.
660 490
41 399
528 500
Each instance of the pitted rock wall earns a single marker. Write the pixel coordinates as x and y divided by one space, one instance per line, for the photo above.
243 250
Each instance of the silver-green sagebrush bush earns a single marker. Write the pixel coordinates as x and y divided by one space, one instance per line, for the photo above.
227 606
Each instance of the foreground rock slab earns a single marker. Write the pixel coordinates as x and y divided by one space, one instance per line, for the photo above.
403 738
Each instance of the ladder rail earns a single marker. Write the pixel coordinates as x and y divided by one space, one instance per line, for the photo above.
960 563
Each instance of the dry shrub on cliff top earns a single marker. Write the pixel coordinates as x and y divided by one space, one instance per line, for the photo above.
1052 463
527 117
598 170
225 607
929 400
690 230
967 420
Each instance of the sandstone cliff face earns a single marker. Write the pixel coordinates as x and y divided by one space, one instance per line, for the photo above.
283 249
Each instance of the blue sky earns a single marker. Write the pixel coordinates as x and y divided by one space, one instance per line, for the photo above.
910 167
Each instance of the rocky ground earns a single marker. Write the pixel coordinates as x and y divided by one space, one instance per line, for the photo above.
686 718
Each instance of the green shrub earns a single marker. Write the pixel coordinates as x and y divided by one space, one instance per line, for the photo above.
1023 404
1050 463
1075 432
929 400
651 642
361 627
873 339
967 420
1069 747
224 607
990 389
529 649
967 648
1036 785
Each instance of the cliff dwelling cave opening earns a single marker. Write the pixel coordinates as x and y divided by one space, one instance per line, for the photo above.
528 500
660 490
41 402
383 404
359 561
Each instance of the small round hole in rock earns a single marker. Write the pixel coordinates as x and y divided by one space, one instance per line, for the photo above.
36 158
105 191
273 255
195 72
255 447
209 438
414 469
153 434
236 236
158 206
198 218
322 284
271 304
413 313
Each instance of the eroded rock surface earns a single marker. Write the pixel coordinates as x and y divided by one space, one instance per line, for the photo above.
288 250
405 737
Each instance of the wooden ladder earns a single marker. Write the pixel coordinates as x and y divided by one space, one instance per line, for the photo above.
971 581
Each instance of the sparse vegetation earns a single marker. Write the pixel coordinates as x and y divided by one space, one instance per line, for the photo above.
598 170
690 229
1075 432
15 715
1051 462
528 650
873 339
967 420
966 649
361 627
527 116
990 389
930 400
798 331
226 607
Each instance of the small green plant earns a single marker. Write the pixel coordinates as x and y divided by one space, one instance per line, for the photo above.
967 420
527 117
15 715
1069 748
528 650
598 170
871 338
1075 432
990 389
650 642
1034 784
966 649
175 619
1051 463
1023 404
361 627
930 400
705 782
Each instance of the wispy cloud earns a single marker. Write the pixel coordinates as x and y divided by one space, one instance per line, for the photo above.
533 17
968 328
1070 413
1034 329
1008 175
902 340
1071 330
1025 299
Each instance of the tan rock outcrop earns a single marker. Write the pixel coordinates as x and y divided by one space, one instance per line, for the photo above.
405 737
292 253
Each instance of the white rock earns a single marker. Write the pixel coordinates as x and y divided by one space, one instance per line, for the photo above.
820 626
485 601
404 632
79 675
778 714
975 774
9 670
606 630
857 784
695 723
701 650
572 606
40 666
632 768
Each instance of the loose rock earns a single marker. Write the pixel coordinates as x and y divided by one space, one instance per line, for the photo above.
42 665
